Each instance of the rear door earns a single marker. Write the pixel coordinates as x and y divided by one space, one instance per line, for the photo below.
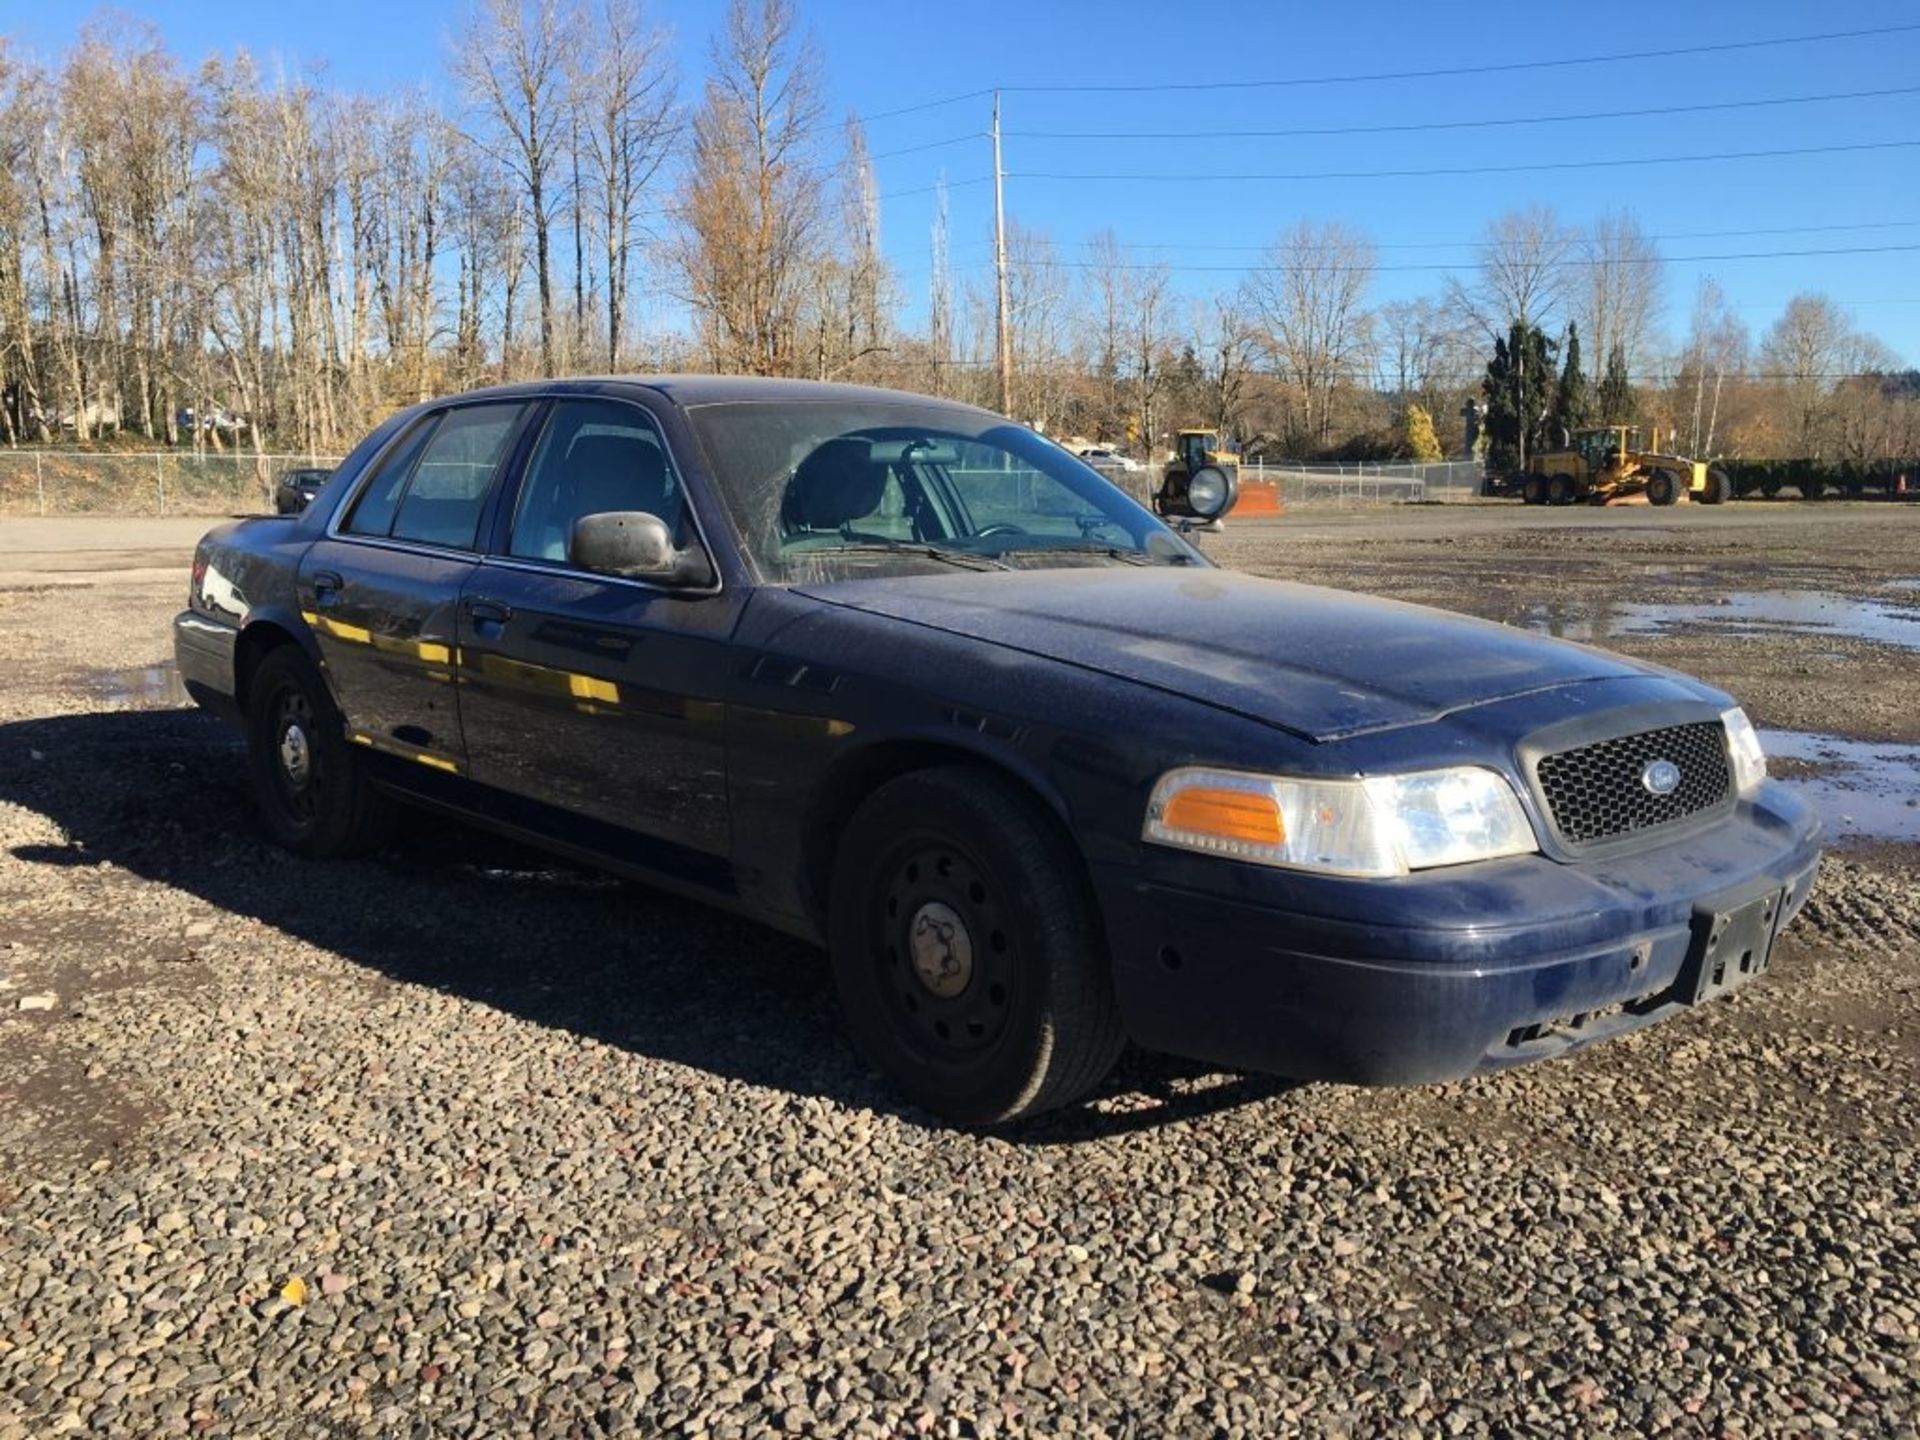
595 698
381 591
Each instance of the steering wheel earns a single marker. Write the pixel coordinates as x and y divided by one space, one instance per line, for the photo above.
1003 528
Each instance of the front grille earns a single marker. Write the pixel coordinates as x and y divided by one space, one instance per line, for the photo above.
1597 792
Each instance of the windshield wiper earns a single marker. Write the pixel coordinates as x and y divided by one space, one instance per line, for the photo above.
947 554
1111 552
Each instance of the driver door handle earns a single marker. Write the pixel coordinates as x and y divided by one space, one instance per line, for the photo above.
489 612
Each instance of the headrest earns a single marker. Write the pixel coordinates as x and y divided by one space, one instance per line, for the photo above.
836 484
617 472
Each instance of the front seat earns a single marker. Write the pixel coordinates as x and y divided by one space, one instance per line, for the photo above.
833 487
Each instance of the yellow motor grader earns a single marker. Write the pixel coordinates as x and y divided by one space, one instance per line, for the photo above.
1609 462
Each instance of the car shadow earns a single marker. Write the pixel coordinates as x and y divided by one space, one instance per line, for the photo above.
162 794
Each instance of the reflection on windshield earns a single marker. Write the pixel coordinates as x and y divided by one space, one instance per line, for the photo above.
821 488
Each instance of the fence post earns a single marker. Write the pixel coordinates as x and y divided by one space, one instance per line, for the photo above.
40 479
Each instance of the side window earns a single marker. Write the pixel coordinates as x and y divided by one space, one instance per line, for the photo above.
594 456
373 512
443 504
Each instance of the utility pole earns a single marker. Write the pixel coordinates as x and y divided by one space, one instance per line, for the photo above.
1003 350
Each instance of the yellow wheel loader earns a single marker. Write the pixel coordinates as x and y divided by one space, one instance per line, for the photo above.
1608 462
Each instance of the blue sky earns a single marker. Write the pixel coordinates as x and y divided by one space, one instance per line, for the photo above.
879 58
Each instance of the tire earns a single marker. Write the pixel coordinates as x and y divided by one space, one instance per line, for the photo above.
967 951
1559 490
1533 490
1812 489
1719 488
1662 488
309 785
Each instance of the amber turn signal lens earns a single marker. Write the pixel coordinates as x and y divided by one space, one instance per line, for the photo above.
1250 818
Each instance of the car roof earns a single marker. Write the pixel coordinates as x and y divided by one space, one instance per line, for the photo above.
712 390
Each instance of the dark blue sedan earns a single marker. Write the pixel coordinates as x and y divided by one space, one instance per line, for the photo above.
906 679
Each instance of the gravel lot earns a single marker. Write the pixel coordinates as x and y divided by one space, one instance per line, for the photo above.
458 1143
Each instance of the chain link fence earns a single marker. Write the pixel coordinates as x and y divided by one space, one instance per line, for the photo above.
1366 484
151 482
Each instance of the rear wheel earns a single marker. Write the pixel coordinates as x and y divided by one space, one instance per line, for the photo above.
1663 488
1719 488
308 784
967 951
1560 490
1533 490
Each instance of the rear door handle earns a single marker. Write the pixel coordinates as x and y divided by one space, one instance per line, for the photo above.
489 612
326 583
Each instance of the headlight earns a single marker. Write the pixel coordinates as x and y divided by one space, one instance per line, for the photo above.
1382 825
1743 744
1207 492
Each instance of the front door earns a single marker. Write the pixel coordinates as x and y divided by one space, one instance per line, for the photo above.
597 700
382 594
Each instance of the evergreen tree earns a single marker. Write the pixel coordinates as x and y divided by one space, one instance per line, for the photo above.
1617 403
1422 444
1520 385
1572 409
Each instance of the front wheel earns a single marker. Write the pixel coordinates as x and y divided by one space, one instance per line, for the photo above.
308 784
967 951
1663 488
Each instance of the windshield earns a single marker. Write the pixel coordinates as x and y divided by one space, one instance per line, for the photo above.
822 489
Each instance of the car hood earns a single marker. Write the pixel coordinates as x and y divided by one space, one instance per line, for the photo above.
1322 664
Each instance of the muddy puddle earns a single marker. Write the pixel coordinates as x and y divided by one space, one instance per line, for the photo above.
1786 613
1865 790
139 687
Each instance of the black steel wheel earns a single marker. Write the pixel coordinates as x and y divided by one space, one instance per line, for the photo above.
967 951
309 787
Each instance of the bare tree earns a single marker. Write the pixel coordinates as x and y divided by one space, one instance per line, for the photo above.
1308 298
940 319
1716 346
513 60
1617 295
1806 350
626 96
1522 275
749 204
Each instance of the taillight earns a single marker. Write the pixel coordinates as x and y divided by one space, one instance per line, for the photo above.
199 575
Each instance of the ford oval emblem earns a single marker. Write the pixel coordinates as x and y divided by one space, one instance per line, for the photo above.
1661 777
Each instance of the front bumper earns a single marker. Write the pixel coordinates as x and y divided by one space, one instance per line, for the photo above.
1443 973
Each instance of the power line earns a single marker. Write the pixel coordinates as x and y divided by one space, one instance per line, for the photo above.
1477 244
1672 52
1500 68
1575 261
1167 177
1426 125
1580 261
970 136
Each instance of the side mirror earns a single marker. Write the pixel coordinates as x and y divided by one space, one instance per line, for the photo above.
635 546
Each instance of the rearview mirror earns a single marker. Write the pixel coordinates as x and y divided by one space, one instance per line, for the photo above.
635 546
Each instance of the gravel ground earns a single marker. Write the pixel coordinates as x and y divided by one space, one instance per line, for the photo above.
458 1143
